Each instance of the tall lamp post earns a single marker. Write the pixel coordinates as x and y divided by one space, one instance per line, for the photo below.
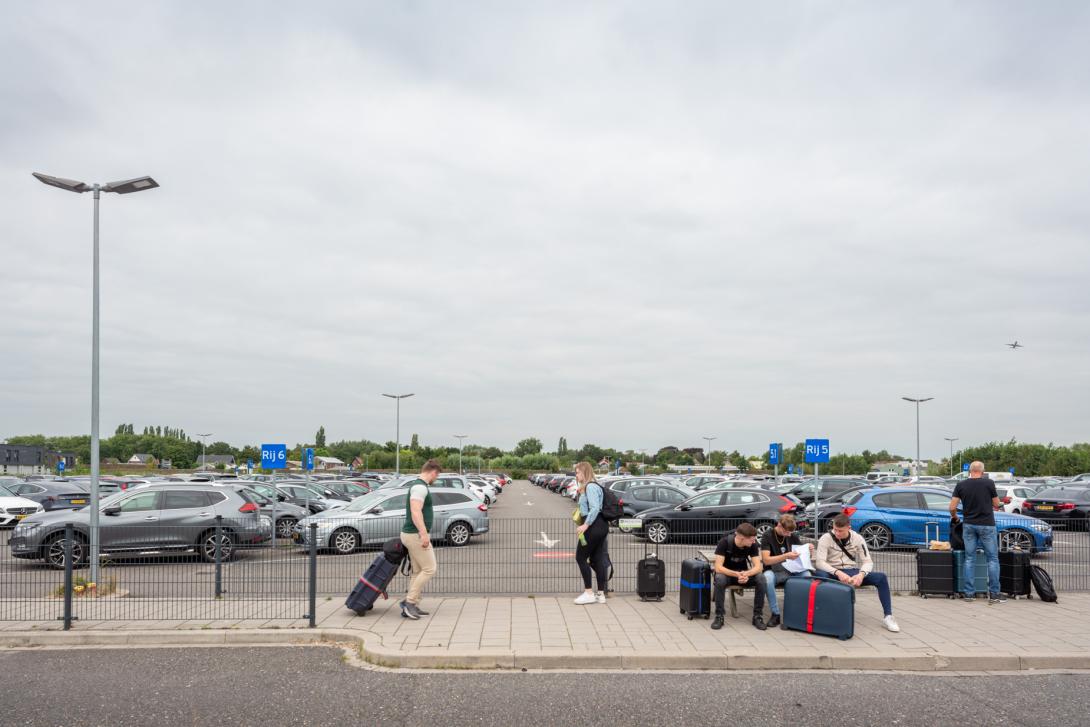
126 186
204 452
397 437
917 402
951 440
709 440
460 437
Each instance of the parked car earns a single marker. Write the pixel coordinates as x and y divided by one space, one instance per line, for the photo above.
892 516
53 494
298 494
378 517
158 519
14 508
830 487
711 514
1012 496
652 493
287 514
1066 506
697 482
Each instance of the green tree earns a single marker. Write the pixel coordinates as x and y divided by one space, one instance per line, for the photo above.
530 445
717 458
415 442
319 437
562 447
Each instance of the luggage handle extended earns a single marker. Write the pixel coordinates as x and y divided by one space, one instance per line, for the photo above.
927 532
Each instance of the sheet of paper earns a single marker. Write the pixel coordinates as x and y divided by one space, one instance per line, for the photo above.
800 564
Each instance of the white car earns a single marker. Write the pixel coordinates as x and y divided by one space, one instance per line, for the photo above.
1012 496
13 509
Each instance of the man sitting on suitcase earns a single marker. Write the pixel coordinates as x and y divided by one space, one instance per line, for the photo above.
777 547
738 563
842 554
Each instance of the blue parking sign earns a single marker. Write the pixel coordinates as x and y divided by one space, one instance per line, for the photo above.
1012 470
790 469
774 453
964 466
274 456
60 466
308 458
817 451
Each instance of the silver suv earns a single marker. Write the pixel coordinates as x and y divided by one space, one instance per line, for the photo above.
155 519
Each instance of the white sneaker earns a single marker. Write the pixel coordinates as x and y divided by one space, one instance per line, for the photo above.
585 598
600 597
890 624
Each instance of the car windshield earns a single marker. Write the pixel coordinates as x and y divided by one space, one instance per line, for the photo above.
6 492
1057 493
366 502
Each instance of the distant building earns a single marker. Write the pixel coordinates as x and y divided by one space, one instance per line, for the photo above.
21 459
328 463
144 459
213 460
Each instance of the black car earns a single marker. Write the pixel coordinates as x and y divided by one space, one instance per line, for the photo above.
344 490
1067 506
651 493
711 514
54 494
625 483
295 494
830 487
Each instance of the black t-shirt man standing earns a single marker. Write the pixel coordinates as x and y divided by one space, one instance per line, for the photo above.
979 501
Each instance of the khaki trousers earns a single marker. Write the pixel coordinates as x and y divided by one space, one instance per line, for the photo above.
424 566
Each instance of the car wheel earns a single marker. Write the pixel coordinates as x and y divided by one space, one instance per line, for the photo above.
207 546
284 527
345 541
1016 540
763 528
54 552
458 534
657 531
877 536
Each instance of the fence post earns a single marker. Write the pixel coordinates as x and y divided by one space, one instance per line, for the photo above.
312 586
219 560
69 535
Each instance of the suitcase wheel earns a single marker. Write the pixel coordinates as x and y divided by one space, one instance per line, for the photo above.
842 638
690 617
682 611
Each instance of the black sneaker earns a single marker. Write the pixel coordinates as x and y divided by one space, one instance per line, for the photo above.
774 620
995 598
421 611
759 623
967 599
718 622
409 611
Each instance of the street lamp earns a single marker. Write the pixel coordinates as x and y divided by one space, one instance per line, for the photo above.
709 440
123 187
460 437
917 402
397 438
951 440
204 452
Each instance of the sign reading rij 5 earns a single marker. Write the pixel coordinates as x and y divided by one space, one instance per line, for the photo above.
274 456
817 451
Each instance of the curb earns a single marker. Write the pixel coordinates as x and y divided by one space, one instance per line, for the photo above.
373 652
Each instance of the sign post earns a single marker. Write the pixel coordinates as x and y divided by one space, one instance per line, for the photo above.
774 451
60 467
817 453
308 460
274 457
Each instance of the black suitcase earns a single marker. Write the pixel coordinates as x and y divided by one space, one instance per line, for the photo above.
935 575
819 606
651 578
372 584
1014 577
695 594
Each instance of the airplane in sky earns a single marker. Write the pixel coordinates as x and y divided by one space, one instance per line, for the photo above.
1015 345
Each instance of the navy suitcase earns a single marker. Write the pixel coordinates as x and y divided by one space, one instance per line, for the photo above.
371 585
819 606
695 594
651 578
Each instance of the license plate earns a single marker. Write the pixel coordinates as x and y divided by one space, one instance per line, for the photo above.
1043 507
295 537
78 502
628 523
20 517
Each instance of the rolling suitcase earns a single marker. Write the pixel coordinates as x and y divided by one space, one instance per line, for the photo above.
695 594
374 582
819 606
980 572
935 574
1014 577
651 578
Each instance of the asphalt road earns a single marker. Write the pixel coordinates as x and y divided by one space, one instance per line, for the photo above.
315 686
513 558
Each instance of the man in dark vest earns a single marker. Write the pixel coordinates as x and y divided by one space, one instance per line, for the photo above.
415 537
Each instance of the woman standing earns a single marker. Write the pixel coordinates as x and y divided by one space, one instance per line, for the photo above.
592 551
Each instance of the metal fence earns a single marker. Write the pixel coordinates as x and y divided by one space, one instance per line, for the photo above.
162 573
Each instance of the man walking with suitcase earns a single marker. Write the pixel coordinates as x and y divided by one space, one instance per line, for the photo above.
416 539
979 502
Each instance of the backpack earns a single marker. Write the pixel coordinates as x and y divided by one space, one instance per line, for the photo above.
394 550
1042 583
611 506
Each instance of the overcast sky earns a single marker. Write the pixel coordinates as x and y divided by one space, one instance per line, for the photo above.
633 224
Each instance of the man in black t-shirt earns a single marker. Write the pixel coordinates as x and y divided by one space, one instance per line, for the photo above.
979 500
738 563
776 549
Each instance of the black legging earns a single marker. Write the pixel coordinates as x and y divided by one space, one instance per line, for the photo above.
594 554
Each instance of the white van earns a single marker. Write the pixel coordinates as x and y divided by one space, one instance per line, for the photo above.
993 476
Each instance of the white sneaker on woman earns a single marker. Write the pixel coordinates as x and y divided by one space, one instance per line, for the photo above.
600 597
585 598
890 624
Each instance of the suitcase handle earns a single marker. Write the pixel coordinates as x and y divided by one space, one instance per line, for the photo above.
927 532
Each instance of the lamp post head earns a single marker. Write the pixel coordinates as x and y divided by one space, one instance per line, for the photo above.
128 186
61 183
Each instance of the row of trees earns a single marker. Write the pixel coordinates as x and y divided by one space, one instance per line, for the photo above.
173 444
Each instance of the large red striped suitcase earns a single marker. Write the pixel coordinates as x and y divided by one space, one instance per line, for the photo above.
819 606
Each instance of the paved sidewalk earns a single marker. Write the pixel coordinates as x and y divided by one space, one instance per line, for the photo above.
552 632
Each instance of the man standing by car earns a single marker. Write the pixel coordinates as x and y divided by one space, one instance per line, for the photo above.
777 547
415 537
738 563
842 554
979 502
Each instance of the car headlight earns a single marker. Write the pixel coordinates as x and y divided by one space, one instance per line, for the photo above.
40 509
1042 526
25 527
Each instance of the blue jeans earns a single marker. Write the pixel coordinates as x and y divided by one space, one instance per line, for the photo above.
984 537
878 580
